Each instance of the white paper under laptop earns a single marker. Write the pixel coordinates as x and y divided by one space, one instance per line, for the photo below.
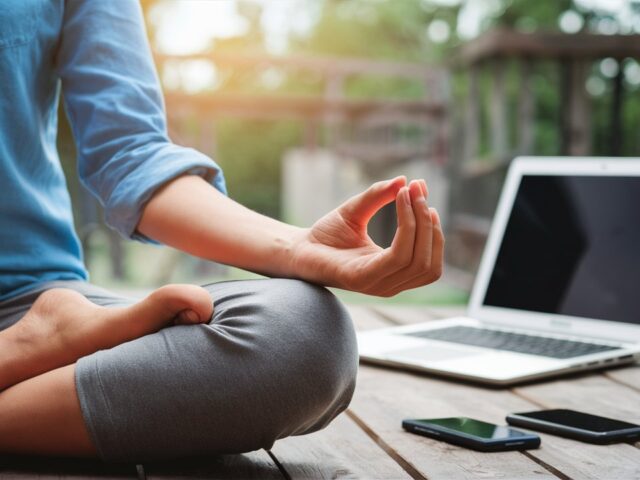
558 289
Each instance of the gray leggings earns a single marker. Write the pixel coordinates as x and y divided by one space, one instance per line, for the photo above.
279 358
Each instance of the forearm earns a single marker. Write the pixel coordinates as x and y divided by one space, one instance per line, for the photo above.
192 216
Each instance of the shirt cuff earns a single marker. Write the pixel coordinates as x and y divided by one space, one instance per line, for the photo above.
127 202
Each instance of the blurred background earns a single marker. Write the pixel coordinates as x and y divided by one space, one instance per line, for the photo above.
306 102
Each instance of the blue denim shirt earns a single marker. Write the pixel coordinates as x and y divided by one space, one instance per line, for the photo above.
96 52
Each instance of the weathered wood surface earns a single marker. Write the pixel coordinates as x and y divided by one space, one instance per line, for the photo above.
593 392
24 468
384 397
368 442
547 45
342 450
224 467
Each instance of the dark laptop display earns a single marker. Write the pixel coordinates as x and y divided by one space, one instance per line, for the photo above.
571 247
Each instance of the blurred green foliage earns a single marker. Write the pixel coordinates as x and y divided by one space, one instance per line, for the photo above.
250 151
250 154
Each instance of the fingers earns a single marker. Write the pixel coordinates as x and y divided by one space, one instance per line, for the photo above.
362 207
423 187
400 253
415 255
401 281
424 228
437 253
424 265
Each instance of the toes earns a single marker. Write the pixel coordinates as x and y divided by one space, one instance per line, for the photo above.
187 317
189 304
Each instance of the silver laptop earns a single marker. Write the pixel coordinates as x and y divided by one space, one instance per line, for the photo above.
558 289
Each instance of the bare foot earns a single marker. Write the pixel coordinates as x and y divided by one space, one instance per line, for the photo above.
63 326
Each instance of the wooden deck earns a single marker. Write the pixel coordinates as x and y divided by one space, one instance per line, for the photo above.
368 442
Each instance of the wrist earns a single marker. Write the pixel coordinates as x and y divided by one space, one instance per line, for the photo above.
290 247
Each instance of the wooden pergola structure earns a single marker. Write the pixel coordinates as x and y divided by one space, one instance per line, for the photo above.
476 182
574 54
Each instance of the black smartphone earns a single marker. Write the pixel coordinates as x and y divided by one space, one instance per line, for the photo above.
474 434
577 425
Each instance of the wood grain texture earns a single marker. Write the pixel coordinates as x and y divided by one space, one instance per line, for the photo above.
369 442
253 465
594 393
342 450
629 376
363 320
23 468
597 394
401 315
384 397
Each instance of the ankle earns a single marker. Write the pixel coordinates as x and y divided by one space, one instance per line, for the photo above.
15 348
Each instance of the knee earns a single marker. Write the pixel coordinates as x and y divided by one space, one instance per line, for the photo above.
286 353
318 360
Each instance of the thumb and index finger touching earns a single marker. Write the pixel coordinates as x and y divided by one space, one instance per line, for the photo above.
362 207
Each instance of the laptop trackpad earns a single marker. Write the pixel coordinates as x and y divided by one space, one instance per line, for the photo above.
430 353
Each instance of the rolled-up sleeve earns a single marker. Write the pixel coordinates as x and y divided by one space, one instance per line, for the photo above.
114 104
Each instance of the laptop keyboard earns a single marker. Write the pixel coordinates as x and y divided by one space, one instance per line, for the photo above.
513 342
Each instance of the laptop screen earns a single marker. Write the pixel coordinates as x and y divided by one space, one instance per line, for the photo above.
571 247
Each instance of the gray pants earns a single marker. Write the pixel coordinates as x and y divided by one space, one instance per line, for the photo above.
279 358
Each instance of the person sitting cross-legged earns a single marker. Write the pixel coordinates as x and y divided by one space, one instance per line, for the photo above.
225 368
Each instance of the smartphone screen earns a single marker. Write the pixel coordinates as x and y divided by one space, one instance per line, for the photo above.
583 421
474 434
473 427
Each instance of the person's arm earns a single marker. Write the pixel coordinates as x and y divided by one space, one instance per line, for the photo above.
114 104
336 251
150 190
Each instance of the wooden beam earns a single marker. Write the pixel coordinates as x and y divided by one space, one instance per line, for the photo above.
499 133
616 131
579 117
333 116
564 104
376 153
526 108
471 140
324 65
291 106
549 45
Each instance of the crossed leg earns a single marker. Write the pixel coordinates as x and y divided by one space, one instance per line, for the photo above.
39 408
278 358
42 416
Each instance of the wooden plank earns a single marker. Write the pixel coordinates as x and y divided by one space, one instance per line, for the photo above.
323 65
503 42
258 465
384 397
363 320
26 467
591 393
526 108
596 394
342 450
294 106
499 126
471 143
629 376
579 114
616 129
401 315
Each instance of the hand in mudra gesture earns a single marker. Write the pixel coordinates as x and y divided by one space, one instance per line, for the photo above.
336 250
